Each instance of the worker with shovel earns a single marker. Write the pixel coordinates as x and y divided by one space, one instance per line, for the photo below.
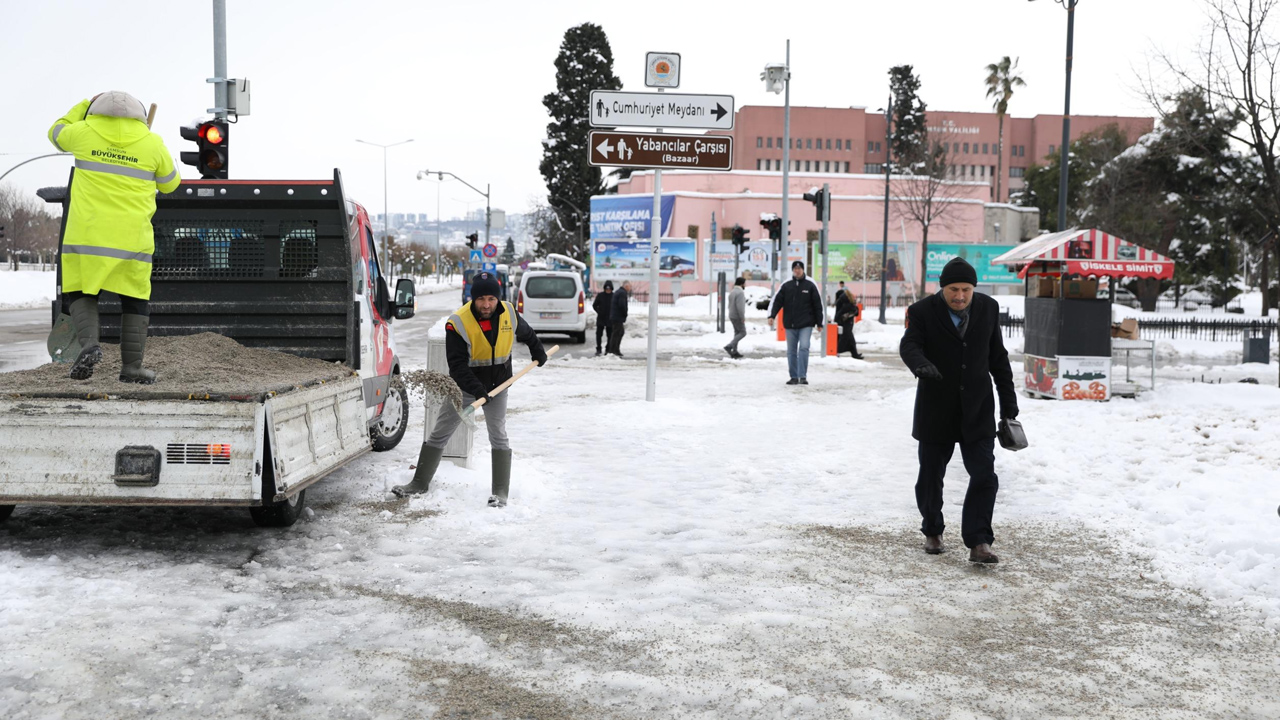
109 241
479 338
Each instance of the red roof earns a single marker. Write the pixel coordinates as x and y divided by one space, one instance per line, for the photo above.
1086 252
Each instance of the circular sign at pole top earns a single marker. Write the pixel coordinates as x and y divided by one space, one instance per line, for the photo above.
490 250
662 70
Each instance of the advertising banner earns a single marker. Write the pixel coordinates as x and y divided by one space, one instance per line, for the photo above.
979 256
753 264
1084 378
858 262
629 259
1041 374
619 217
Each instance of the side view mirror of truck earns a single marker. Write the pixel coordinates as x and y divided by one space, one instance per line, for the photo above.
406 304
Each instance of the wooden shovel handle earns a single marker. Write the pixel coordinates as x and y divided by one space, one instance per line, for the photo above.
151 114
476 405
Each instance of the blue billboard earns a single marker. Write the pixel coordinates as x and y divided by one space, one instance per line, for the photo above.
618 217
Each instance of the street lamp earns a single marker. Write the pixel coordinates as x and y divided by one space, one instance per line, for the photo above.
1064 154
424 174
386 217
777 79
884 246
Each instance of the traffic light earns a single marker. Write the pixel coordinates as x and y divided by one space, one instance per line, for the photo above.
740 238
774 226
473 239
212 154
818 197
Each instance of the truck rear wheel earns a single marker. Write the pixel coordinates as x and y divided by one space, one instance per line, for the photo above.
6 511
280 514
389 429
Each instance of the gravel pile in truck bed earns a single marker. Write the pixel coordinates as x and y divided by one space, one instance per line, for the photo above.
189 366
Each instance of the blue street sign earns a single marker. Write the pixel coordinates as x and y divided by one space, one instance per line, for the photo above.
489 267
477 256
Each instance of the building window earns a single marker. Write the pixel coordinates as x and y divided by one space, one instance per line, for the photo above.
768 142
760 142
993 171
1022 151
838 144
806 166
955 148
870 169
779 142
797 166
848 144
828 143
1017 172
759 163
826 166
966 148
871 147
846 166
986 149
1050 149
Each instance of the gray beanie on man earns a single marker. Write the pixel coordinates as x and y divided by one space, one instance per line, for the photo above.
120 104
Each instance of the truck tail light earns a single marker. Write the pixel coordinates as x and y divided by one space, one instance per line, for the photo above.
581 305
519 302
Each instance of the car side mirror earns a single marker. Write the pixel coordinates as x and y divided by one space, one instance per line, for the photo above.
406 303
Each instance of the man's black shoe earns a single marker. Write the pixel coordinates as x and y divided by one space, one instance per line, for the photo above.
793 381
804 381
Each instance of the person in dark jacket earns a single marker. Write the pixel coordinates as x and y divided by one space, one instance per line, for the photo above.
479 339
847 313
800 302
603 305
618 318
953 345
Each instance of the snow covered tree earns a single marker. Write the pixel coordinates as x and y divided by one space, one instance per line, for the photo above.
910 135
585 63
926 197
1088 154
1169 192
1001 80
509 251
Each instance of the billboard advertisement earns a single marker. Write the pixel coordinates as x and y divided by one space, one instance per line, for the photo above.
629 259
619 217
858 262
979 256
753 264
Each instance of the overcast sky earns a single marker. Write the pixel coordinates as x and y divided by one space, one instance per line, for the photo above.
465 80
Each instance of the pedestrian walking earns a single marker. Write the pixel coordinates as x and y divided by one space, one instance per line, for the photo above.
953 346
848 311
109 241
737 316
603 305
618 317
479 338
800 302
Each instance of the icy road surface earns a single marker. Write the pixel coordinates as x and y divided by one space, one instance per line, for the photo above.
739 549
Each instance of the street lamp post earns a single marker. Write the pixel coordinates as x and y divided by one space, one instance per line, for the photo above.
386 217
422 174
884 247
777 79
1064 154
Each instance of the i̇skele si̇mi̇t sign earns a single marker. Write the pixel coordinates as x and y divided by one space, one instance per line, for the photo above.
661 151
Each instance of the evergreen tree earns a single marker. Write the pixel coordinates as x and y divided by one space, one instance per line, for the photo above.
585 63
1088 154
910 135
509 251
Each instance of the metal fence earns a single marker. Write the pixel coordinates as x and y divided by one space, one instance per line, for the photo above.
663 298
1215 330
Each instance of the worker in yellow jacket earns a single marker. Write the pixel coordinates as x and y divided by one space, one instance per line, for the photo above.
108 242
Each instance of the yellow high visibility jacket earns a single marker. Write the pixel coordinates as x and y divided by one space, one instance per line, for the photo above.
482 353
120 164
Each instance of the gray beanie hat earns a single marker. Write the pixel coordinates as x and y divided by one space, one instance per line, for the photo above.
117 103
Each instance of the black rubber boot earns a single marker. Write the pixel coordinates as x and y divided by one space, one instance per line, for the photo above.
428 461
133 344
501 478
84 315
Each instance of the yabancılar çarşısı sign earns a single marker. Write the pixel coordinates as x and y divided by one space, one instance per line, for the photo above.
620 217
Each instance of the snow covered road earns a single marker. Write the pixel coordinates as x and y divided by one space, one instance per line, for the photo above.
738 549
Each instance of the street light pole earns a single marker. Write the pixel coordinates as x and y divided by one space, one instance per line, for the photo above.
1064 157
386 217
884 247
422 174
778 80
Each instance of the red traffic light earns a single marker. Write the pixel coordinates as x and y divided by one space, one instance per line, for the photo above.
213 134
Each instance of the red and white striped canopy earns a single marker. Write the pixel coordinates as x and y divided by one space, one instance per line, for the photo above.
1086 252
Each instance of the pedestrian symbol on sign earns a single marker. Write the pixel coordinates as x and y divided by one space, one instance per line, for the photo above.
476 257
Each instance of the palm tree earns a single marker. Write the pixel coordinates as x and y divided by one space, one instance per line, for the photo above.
1001 81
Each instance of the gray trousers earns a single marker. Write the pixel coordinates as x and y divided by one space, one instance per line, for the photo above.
495 416
739 332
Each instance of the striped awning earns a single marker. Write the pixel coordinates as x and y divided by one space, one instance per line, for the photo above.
1086 252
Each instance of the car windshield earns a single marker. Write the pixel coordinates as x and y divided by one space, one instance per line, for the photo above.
556 288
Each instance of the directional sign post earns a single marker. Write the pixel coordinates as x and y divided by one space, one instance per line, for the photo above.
661 110
665 151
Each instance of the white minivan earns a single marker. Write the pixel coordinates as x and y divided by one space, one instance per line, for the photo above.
553 301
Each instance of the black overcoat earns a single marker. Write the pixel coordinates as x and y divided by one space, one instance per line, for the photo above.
960 407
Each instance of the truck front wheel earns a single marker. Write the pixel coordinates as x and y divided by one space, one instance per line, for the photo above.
6 511
280 514
389 428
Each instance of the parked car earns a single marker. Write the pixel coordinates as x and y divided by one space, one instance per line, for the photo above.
1123 297
553 301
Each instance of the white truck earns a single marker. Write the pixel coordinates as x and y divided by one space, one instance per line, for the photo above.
289 266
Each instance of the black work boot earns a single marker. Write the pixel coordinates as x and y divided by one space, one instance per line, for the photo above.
501 478
133 343
84 315
428 461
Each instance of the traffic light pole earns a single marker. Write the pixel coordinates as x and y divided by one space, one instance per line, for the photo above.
822 246
785 239
488 214
219 78
884 248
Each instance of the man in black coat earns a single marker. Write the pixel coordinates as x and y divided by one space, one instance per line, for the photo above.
618 318
801 304
603 305
953 345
